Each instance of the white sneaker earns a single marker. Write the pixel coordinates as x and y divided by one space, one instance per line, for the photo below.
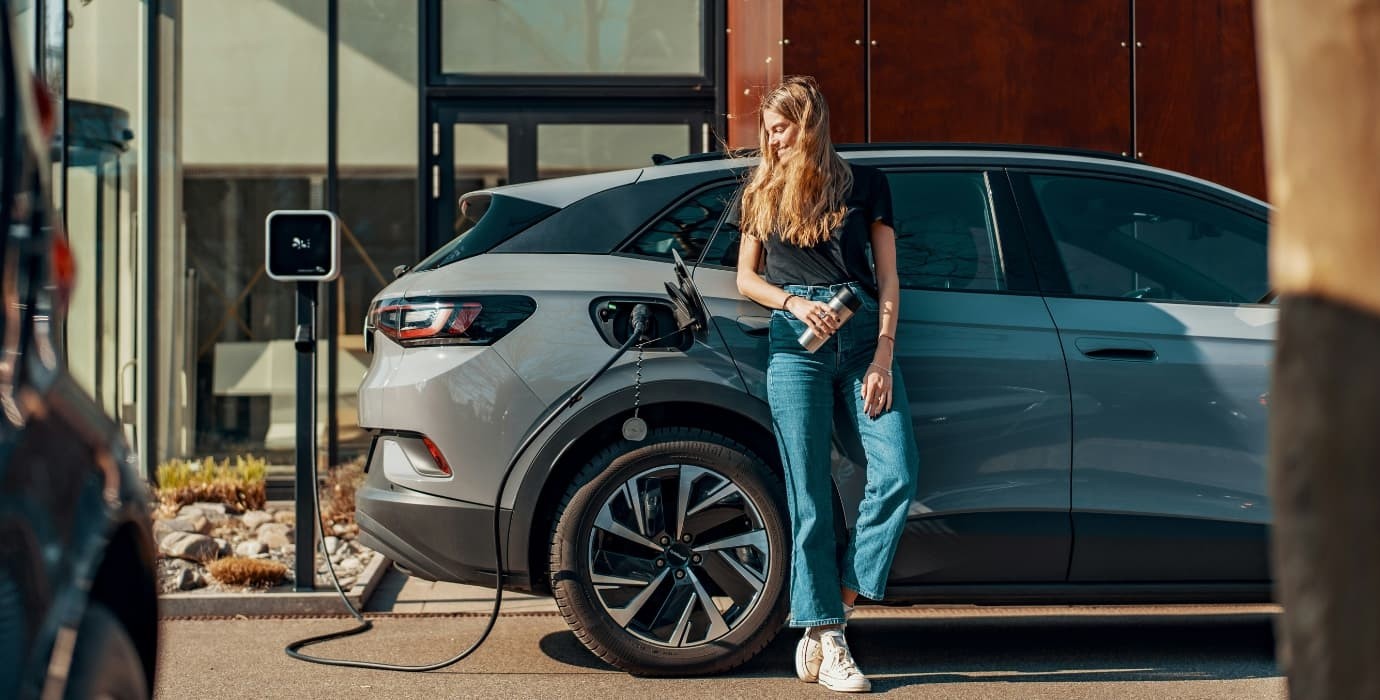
808 656
837 670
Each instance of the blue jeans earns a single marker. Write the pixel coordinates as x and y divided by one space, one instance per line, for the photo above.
802 389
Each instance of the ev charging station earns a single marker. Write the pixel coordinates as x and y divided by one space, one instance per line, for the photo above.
303 246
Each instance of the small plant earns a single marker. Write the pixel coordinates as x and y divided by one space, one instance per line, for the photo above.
242 571
338 495
240 486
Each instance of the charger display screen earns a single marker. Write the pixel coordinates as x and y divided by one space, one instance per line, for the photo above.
301 246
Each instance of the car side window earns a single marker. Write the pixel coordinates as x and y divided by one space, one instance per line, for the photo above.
1127 240
687 227
945 235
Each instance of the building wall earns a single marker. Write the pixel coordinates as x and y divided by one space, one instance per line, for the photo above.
1172 81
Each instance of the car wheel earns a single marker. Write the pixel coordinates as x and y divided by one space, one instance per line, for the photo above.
670 555
105 663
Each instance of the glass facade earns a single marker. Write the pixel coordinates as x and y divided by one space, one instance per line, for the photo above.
572 37
188 121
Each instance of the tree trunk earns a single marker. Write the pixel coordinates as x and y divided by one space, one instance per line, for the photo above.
1319 61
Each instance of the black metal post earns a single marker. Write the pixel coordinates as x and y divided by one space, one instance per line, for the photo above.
305 342
333 301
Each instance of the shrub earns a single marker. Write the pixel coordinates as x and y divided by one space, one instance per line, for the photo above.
240 486
242 571
338 495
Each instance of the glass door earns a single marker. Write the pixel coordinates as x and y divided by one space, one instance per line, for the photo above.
475 146
102 327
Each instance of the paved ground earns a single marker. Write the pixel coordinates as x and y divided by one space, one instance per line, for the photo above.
1067 653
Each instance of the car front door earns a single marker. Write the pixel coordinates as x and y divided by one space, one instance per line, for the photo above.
1156 291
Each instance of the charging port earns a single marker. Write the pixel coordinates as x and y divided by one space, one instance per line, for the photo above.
611 316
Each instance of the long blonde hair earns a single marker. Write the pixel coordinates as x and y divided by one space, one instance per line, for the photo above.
802 198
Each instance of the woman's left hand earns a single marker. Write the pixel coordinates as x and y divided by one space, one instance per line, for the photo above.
876 392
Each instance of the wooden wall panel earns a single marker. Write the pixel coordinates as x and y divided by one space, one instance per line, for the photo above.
1054 72
1197 91
824 39
754 64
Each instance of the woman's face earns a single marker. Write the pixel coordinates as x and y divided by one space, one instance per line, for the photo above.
781 133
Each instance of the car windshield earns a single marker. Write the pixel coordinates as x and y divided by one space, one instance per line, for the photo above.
485 220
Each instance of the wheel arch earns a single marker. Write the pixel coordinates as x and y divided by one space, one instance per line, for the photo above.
124 584
723 410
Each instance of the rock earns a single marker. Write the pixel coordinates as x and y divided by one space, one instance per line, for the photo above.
332 544
213 512
275 535
352 564
338 529
347 582
190 546
251 548
197 524
254 518
284 516
190 579
225 548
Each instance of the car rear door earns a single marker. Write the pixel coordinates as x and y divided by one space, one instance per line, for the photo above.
1154 289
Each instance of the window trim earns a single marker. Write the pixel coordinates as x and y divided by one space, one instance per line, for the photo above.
1050 270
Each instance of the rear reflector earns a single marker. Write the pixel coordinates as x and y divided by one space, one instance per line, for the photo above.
436 455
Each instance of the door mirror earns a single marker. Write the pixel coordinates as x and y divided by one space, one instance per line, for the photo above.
400 270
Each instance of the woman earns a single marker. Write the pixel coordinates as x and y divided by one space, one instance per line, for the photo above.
808 219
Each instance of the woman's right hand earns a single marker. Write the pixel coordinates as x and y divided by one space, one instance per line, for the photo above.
816 314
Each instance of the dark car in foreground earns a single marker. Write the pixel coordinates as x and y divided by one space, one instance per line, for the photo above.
1085 341
78 603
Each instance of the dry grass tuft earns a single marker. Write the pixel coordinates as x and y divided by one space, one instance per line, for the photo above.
338 494
240 486
242 571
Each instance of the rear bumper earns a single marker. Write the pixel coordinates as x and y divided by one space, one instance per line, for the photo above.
432 537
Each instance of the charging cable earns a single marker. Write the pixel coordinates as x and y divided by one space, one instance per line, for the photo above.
638 319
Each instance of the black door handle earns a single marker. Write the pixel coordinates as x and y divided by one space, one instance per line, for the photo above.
1120 354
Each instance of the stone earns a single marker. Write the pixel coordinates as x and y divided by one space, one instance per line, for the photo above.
251 548
225 548
254 518
332 544
190 579
275 535
197 524
213 512
284 516
352 564
338 529
347 582
190 546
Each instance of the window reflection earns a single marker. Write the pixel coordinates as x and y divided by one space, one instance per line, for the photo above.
565 37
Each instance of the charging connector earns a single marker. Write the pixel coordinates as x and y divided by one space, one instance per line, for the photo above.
640 319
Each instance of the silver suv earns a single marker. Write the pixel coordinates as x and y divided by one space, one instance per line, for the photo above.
1084 338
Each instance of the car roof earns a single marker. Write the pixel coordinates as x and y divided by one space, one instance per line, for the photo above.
561 192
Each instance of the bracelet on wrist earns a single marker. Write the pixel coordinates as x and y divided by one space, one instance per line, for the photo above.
887 370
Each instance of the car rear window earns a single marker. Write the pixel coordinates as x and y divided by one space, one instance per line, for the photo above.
485 220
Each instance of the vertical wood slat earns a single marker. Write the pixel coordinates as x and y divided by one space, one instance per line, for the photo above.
1198 97
754 63
827 40
1055 72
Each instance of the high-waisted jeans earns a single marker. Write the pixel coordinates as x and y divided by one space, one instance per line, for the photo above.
802 388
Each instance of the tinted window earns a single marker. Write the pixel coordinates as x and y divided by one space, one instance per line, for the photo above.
1121 239
945 236
484 221
687 227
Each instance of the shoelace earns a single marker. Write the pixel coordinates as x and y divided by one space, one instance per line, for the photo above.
843 660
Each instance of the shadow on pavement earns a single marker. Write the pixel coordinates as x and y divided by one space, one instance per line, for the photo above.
903 651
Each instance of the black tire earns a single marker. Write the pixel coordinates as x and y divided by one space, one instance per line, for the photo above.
105 663
697 644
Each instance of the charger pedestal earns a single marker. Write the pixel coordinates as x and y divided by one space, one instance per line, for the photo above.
303 246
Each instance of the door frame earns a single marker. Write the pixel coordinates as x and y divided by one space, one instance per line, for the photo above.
438 195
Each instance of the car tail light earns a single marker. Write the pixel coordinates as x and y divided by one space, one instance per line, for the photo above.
435 451
476 320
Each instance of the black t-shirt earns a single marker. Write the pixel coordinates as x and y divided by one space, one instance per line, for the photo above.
842 258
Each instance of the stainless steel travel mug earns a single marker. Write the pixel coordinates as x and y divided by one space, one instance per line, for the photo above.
844 303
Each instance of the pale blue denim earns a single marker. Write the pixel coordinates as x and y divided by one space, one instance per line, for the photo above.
802 389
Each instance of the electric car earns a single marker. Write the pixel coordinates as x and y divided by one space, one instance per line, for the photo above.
78 595
1085 342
